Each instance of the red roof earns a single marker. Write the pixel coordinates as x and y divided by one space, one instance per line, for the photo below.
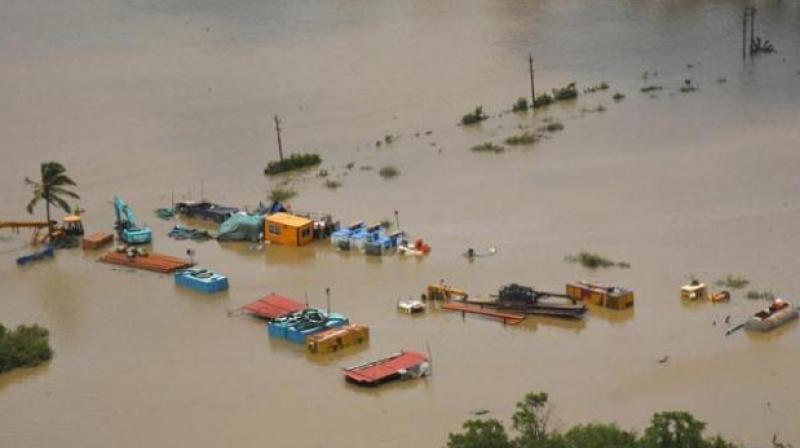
274 306
383 369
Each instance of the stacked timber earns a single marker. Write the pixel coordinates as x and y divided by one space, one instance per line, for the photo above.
151 262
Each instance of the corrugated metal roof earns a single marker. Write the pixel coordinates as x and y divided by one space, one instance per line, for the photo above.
274 306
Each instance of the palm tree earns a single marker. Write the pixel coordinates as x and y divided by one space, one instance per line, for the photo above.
51 188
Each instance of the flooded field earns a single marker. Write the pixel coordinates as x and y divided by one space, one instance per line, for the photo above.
149 99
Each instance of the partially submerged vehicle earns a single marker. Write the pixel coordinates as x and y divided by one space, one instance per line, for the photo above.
273 306
300 325
205 210
779 312
526 300
698 291
127 228
201 280
404 365
411 306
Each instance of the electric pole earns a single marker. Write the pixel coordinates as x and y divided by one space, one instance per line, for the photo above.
278 131
530 67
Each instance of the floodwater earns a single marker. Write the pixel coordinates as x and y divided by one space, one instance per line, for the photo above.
151 100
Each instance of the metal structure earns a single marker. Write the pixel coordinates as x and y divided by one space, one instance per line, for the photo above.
126 226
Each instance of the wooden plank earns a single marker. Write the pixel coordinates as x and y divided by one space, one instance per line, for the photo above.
508 318
152 262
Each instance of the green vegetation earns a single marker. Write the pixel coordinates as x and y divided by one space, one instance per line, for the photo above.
388 138
531 429
552 127
51 188
602 86
386 223
474 117
589 110
542 100
592 260
350 165
687 87
760 295
488 147
565 93
280 194
388 172
526 138
332 184
733 281
322 173
293 162
649 89
521 105
27 346
618 97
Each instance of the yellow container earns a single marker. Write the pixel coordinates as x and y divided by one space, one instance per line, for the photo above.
335 339
288 230
615 298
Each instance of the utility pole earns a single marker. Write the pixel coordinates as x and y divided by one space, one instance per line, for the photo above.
744 33
278 131
530 67
752 25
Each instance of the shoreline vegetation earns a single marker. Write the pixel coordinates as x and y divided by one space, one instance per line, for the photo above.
532 428
26 346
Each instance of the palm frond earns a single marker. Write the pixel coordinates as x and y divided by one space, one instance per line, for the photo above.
32 204
60 203
58 190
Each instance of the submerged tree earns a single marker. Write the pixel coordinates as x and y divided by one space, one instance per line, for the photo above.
51 189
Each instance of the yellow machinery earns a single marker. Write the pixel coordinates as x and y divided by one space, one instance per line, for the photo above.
612 297
335 339
72 226
443 292
288 230
696 290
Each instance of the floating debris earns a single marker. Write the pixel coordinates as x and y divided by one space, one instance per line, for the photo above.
488 147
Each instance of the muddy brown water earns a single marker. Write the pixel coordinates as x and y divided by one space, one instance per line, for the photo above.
152 99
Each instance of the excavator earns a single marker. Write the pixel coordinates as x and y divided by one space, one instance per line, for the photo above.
440 291
126 226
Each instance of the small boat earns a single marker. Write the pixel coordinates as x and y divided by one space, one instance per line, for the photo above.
778 313
36 256
404 365
201 280
411 306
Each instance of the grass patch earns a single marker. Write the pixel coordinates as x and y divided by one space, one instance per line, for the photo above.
521 105
618 97
322 173
569 92
602 86
350 165
474 117
293 162
332 184
386 223
760 295
526 138
552 127
27 346
733 281
542 101
593 260
648 89
389 171
281 194
488 147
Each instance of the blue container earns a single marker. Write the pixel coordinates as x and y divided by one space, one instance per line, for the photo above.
201 280
299 326
341 238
